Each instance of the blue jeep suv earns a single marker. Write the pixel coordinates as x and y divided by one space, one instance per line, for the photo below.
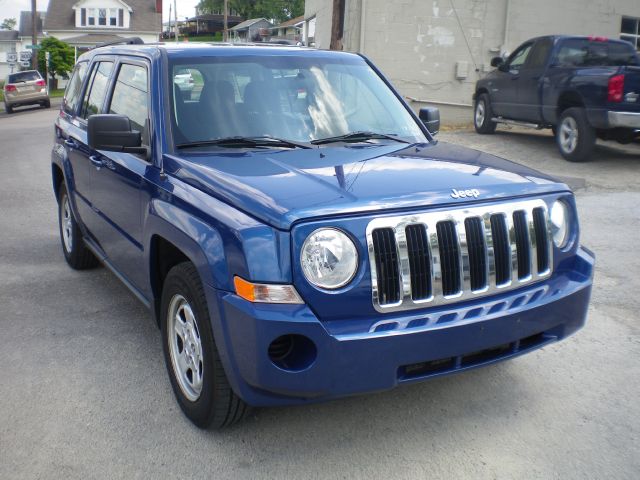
297 232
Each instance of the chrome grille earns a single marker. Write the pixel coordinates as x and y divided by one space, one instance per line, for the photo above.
443 257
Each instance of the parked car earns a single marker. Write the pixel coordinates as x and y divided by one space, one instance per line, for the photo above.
297 232
184 80
25 88
581 87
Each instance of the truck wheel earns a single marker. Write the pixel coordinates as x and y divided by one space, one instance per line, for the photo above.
482 115
196 373
574 135
76 253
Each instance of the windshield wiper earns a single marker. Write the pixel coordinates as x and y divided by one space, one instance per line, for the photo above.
242 142
358 137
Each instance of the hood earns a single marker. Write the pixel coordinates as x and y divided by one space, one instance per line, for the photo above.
284 186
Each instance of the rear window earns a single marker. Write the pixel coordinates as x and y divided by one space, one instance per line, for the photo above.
582 52
24 77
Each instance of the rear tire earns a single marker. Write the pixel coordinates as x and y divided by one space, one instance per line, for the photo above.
482 115
76 253
8 108
47 104
191 356
575 137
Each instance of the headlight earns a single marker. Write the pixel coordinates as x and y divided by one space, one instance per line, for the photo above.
560 223
329 258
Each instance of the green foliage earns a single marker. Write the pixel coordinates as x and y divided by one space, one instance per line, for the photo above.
61 57
277 10
8 24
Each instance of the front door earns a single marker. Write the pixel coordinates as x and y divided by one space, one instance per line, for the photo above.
504 86
119 177
530 82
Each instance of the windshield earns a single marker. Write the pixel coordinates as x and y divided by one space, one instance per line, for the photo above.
299 98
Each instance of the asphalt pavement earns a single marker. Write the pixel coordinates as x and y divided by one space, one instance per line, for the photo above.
84 392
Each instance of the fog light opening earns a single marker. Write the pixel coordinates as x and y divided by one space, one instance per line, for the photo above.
292 352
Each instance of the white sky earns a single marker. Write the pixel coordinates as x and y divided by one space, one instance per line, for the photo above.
12 8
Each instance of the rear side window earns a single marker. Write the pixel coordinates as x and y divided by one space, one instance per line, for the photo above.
582 52
130 95
95 94
29 76
71 98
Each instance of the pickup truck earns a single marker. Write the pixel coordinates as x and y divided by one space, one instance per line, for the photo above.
297 232
582 88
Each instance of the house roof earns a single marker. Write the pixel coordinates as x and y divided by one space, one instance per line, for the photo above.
248 23
8 35
207 17
92 39
25 27
61 16
292 22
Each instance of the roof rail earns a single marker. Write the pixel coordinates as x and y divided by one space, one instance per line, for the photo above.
122 41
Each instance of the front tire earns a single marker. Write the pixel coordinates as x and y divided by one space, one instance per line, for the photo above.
575 137
482 115
193 363
76 253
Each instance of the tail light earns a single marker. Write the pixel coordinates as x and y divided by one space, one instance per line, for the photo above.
9 88
615 89
41 83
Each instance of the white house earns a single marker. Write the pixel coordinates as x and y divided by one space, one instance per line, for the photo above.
86 23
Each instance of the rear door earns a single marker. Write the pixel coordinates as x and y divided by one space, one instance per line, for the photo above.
530 81
504 87
80 156
119 177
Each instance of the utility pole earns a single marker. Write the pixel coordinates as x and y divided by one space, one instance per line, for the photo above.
175 16
337 25
34 36
225 32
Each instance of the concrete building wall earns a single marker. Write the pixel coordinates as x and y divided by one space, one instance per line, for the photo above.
433 51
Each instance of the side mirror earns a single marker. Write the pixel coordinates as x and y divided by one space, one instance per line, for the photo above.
113 133
430 116
497 61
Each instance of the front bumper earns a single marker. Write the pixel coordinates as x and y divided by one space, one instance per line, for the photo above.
430 343
624 119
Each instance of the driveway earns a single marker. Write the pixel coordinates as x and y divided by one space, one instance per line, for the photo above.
84 393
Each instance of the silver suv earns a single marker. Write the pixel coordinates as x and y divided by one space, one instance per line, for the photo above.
25 88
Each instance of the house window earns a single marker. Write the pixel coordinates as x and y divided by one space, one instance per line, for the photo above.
630 31
113 17
91 16
83 17
102 16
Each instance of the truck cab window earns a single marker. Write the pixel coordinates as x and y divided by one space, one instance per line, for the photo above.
74 89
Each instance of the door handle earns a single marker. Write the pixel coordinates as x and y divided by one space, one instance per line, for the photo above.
69 142
97 162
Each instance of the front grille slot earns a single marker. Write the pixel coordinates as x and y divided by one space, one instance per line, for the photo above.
477 253
522 243
443 257
419 261
501 249
387 268
449 257
542 241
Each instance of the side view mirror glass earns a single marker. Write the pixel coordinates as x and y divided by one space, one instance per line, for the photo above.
497 61
430 116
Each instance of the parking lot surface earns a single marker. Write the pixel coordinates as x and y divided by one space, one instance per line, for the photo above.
84 393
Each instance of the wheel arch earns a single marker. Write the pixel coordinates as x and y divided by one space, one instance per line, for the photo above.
568 99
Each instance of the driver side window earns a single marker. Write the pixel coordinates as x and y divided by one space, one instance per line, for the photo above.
519 57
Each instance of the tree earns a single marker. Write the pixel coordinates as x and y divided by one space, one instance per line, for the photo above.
61 57
277 10
8 24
